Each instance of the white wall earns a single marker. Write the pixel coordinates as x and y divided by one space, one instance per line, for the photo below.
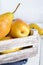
29 10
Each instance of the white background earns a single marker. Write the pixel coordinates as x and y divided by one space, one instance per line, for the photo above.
29 11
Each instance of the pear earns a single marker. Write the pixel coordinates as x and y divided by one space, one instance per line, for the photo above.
19 29
38 28
5 22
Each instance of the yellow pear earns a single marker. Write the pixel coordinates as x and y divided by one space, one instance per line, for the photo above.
5 22
38 28
19 28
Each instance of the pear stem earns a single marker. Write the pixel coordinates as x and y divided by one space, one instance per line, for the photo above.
16 8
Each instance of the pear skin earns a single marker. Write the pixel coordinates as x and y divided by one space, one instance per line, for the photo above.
5 24
19 29
38 28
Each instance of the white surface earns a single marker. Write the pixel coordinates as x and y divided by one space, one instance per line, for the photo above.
41 55
35 60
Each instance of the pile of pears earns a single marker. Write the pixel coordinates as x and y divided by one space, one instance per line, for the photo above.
15 28
11 28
